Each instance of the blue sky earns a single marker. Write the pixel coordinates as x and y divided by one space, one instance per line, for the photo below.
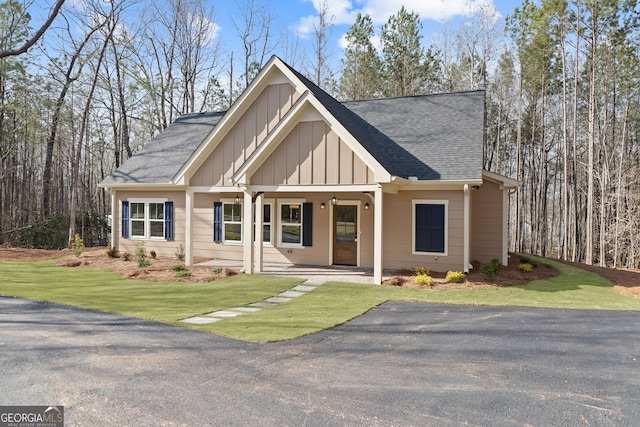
293 19
296 17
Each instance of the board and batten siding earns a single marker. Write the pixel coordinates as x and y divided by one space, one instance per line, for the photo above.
398 231
252 127
312 154
487 222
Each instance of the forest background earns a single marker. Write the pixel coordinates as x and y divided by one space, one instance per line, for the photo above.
83 91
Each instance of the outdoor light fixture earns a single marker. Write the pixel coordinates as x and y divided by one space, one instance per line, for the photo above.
334 200
322 205
366 206
237 199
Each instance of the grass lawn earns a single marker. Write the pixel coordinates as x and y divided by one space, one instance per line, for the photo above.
329 305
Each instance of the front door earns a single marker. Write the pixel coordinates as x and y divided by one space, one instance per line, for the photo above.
345 235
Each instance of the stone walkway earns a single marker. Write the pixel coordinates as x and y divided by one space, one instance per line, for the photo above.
286 296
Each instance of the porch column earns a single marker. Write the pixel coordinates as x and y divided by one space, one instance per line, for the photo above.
377 237
259 234
116 221
188 228
247 224
466 228
505 225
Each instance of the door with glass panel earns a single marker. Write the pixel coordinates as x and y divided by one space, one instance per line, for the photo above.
345 235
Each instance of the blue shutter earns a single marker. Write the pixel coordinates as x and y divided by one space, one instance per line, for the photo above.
125 219
217 222
307 223
429 232
168 220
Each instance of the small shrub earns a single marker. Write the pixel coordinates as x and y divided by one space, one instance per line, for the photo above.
153 254
112 252
228 272
217 270
178 267
180 252
489 270
183 273
141 256
422 271
77 245
525 260
422 280
525 267
455 277
126 256
395 281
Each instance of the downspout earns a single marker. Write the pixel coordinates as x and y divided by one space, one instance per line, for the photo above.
467 229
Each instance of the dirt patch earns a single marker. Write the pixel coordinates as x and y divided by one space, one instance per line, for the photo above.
160 269
22 254
507 276
626 282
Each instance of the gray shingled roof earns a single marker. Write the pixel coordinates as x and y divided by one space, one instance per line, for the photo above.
162 157
431 137
444 132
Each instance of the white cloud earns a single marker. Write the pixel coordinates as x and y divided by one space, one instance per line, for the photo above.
344 11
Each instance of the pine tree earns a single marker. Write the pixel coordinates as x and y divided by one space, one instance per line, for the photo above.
361 66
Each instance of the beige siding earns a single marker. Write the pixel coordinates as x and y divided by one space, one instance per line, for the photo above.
161 247
486 223
318 254
312 154
250 129
398 231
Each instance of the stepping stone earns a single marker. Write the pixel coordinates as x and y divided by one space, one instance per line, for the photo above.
246 309
292 294
222 313
262 304
278 299
199 320
303 288
313 282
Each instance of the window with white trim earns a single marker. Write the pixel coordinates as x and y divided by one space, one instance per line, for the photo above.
148 220
430 227
232 222
290 228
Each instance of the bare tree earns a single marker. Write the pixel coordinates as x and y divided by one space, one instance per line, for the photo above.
36 36
254 27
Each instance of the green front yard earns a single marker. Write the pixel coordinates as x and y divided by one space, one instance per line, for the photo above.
329 305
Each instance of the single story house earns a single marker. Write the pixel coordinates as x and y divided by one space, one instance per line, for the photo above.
289 174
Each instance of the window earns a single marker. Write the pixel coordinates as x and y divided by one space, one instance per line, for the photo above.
267 209
232 222
147 220
430 226
296 220
291 224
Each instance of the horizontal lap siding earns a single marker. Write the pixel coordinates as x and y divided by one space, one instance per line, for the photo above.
318 254
398 231
161 247
251 129
312 154
486 214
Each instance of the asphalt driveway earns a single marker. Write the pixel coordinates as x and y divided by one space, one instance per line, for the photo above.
400 364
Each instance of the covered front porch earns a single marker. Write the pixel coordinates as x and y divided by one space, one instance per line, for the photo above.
312 273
